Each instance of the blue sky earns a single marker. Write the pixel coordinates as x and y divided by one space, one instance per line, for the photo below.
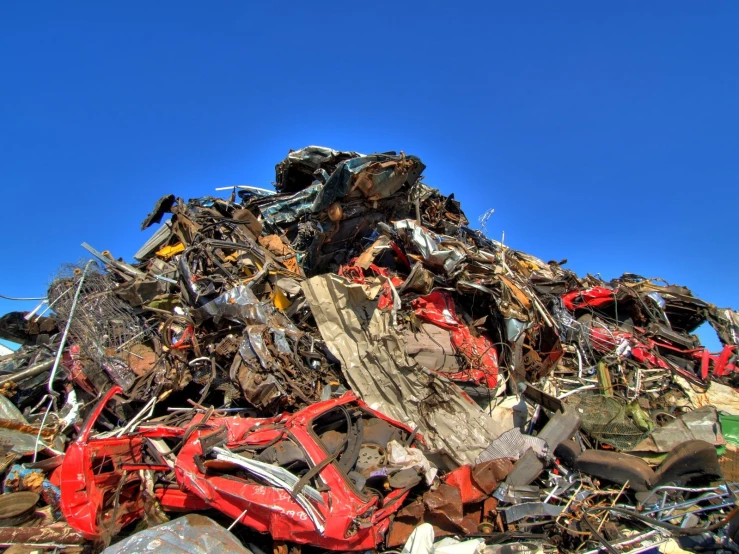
601 133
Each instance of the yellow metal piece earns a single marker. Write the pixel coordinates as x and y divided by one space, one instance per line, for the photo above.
517 292
280 300
169 251
604 379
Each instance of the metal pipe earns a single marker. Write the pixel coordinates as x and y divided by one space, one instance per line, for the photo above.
672 507
237 520
711 508
32 313
60 352
120 266
30 372
149 406
719 489
41 427
570 393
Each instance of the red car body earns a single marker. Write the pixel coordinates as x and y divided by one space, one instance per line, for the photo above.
99 473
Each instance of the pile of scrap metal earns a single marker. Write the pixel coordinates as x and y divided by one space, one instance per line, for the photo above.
345 364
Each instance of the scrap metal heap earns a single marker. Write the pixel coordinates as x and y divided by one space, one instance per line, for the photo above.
345 364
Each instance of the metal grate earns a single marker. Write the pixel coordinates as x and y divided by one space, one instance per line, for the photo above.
604 418
103 325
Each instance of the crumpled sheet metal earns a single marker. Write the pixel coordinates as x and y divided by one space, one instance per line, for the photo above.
531 510
313 178
279 479
430 247
477 350
513 444
189 534
238 304
456 507
432 348
298 169
718 395
375 176
726 324
375 363
286 209
700 424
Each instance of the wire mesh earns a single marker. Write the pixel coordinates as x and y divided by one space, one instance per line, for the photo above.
103 324
604 418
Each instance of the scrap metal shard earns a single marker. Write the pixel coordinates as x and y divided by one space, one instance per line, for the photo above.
375 363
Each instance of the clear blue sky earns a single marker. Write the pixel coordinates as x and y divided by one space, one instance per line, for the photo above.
606 134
